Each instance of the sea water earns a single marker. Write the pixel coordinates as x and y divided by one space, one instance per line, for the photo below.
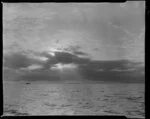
49 98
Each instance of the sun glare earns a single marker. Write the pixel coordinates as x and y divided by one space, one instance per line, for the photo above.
61 66
52 53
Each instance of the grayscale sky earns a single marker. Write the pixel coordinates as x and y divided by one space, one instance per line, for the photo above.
36 35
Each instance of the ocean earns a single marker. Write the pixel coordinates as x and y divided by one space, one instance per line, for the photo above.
50 98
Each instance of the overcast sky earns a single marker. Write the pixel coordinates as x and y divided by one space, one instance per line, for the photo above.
32 32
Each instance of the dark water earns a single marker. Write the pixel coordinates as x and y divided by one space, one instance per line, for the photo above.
45 98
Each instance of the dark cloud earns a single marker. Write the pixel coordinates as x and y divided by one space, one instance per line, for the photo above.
87 68
107 65
112 76
80 53
17 60
73 48
91 69
65 57
62 57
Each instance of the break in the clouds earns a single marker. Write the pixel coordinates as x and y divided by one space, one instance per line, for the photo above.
96 37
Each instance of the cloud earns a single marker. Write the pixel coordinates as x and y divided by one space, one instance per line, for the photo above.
116 70
67 58
80 53
88 27
17 60
36 57
62 57
109 73
123 70
84 33
127 71
60 66
32 67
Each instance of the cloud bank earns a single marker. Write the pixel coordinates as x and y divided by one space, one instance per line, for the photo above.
94 70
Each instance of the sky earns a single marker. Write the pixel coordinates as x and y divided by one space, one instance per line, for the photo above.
90 40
